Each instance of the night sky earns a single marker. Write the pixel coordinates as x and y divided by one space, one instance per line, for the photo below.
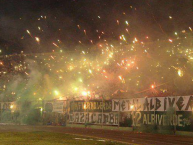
146 18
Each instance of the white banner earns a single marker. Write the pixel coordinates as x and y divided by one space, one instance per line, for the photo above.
180 103
110 118
58 106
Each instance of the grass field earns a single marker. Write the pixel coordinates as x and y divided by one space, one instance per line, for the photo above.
49 138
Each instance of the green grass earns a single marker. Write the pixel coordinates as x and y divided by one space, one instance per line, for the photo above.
49 138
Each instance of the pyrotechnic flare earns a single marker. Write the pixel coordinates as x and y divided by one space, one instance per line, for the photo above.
117 22
85 32
29 33
180 73
170 40
127 23
55 45
37 39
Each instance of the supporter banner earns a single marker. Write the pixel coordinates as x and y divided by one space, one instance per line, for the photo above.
94 118
55 106
58 106
180 103
91 106
182 120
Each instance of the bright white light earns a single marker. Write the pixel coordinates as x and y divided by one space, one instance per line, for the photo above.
84 106
152 86
84 93
180 73
56 92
